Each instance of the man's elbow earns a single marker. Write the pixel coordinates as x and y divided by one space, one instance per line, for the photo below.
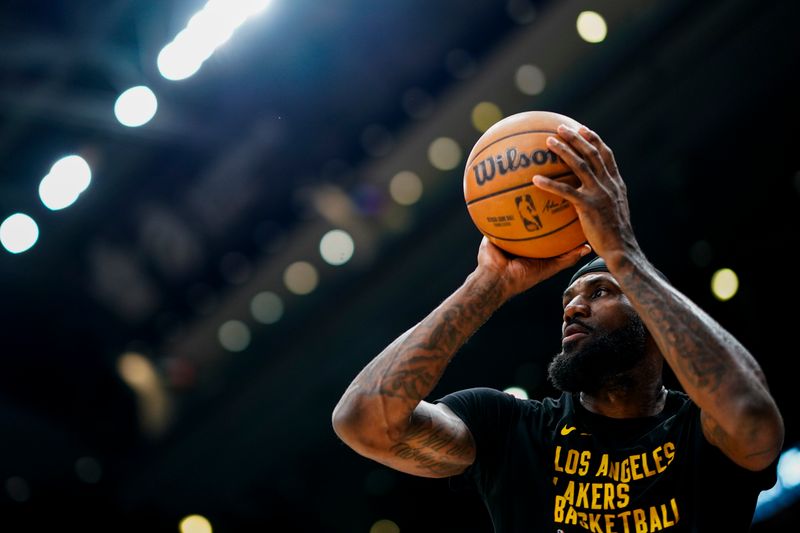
774 433
353 425
766 433
356 431
343 420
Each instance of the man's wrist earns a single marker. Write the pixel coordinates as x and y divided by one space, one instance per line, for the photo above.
491 283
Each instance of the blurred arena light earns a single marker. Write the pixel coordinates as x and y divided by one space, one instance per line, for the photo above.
591 27
88 470
786 490
484 115
301 277
336 247
234 336
18 489
207 30
517 392
195 524
136 106
384 526
266 307
406 188
530 79
18 233
68 178
154 406
444 153
724 284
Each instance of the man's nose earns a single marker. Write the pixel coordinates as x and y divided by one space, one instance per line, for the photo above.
576 308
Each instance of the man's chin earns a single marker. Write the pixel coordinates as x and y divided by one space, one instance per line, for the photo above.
570 348
562 372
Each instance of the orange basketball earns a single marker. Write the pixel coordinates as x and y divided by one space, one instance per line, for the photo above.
501 198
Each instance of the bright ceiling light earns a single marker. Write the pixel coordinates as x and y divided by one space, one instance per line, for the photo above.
207 30
68 178
18 233
136 106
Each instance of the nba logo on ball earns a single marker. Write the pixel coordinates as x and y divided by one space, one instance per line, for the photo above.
501 198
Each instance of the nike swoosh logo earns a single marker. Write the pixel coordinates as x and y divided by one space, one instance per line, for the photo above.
566 430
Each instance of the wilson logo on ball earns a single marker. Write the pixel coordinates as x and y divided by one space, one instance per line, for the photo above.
486 169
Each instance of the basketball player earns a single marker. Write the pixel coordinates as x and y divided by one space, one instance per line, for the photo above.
616 451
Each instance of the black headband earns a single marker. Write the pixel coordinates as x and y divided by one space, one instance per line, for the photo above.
598 264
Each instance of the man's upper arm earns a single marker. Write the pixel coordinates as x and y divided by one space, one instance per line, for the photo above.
437 443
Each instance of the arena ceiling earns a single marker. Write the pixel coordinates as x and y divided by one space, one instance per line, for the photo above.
294 128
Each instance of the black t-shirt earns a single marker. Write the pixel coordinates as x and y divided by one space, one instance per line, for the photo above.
552 466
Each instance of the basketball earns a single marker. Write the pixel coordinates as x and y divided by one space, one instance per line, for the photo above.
501 198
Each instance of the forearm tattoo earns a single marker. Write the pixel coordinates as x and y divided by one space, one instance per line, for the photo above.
410 367
693 344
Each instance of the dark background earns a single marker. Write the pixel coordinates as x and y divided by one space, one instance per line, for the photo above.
308 106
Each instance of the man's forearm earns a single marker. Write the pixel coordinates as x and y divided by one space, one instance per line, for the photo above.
718 373
394 383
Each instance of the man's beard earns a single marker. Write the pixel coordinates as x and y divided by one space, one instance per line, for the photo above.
601 360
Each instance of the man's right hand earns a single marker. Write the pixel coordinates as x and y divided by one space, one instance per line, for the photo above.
519 274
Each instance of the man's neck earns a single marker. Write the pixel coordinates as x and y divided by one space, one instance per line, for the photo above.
626 403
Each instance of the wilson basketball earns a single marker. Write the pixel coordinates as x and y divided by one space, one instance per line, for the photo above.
501 198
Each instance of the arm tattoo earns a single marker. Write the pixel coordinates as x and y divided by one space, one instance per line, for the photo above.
410 367
718 373
432 448
424 459
694 345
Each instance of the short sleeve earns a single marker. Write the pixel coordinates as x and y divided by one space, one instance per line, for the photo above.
489 414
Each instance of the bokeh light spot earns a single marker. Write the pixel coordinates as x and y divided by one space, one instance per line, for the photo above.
405 188
384 526
724 284
530 80
234 336
136 106
336 247
18 233
484 115
88 470
444 153
195 524
591 27
517 392
266 307
301 277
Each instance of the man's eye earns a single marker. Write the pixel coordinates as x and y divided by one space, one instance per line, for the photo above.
599 292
